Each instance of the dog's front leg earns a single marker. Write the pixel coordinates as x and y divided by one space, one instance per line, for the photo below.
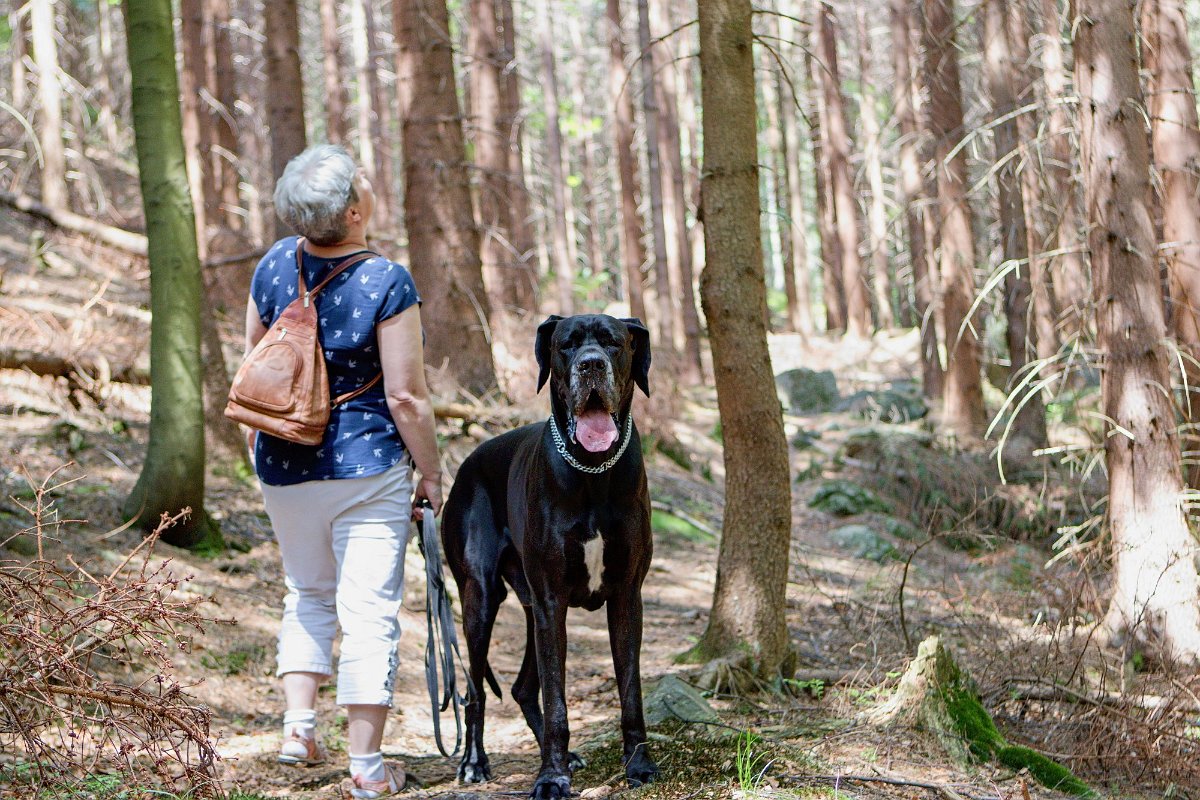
625 636
550 629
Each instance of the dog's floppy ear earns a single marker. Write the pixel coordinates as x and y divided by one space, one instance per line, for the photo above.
641 353
541 347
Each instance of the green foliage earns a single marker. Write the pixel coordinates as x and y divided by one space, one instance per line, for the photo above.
664 522
235 662
843 499
1048 773
749 762
6 32
814 687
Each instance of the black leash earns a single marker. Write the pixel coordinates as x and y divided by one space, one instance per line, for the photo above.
442 643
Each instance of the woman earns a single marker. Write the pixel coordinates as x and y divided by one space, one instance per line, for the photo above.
341 509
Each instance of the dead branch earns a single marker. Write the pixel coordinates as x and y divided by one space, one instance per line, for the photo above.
473 413
41 363
1040 689
125 240
941 788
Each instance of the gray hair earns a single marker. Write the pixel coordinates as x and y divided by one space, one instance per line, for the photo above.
315 190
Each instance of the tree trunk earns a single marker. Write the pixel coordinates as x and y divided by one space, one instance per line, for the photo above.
512 120
561 233
662 276
20 78
1155 582
172 476
796 282
872 154
367 131
335 89
962 397
195 138
833 293
1028 423
285 89
589 186
226 152
1070 278
1175 129
443 242
671 150
107 117
841 183
912 195
49 103
633 251
747 619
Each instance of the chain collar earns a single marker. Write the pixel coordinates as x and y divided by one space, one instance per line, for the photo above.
561 447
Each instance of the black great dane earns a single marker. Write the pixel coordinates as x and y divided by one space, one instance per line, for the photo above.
560 512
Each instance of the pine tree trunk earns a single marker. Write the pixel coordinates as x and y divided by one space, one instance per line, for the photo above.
664 306
107 118
1175 129
49 104
225 132
367 131
912 195
620 90
962 397
525 284
671 151
841 182
747 620
588 186
172 476
881 282
1069 271
562 234
335 89
796 284
195 139
1155 582
443 242
20 78
833 292
1028 425
285 89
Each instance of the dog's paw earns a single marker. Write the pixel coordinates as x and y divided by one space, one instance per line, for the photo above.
478 771
575 761
551 787
641 770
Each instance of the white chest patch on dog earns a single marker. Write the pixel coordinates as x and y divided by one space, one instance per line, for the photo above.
593 561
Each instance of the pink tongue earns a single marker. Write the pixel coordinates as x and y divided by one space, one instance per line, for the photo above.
595 430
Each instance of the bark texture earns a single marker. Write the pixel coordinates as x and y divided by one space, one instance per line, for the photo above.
1155 586
172 476
49 103
443 242
561 227
748 603
1176 143
331 73
881 281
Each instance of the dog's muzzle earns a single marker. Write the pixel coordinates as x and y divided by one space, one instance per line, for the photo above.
593 402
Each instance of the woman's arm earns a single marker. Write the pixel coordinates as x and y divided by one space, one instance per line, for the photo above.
254 326
401 353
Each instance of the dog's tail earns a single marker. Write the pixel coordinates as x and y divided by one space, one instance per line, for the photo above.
491 679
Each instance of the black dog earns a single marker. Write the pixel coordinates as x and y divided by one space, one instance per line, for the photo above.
560 511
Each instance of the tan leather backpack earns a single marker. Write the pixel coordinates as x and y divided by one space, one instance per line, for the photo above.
282 388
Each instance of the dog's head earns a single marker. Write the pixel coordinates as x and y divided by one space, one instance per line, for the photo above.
595 361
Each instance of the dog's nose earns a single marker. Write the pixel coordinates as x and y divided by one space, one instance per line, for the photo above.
590 363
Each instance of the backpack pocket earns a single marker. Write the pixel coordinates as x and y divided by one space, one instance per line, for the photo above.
273 378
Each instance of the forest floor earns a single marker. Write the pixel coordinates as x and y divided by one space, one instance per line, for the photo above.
947 549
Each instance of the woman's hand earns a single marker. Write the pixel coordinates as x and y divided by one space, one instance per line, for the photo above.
428 488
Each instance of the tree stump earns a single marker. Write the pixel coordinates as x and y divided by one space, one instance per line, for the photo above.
936 696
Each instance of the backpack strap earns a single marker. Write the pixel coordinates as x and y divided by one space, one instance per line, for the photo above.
307 294
360 390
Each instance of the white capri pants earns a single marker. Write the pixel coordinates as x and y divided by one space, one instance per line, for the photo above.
342 543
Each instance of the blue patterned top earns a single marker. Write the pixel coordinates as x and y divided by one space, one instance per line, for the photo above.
361 438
